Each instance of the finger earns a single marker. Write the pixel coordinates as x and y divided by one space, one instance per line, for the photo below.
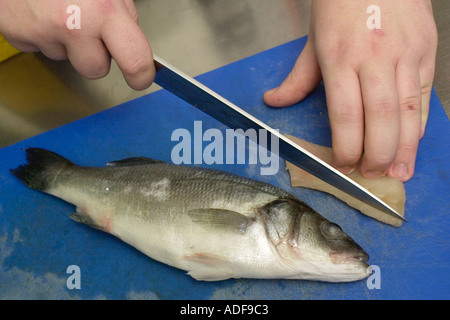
132 9
426 97
382 118
346 117
22 45
54 51
408 86
90 59
129 47
426 80
303 78
426 73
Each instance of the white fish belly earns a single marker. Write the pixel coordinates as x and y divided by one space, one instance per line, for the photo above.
205 254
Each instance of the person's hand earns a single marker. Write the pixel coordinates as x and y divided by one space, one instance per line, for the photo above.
108 28
377 81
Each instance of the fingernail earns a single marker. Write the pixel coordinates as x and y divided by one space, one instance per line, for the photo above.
346 169
373 174
400 171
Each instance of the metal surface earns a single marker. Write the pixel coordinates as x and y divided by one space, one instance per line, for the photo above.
37 94
226 112
441 9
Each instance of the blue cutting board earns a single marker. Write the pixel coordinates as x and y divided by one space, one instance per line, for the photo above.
38 240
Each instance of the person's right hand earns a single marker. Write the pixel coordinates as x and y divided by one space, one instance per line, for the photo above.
108 28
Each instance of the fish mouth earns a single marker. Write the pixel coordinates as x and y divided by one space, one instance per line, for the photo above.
359 257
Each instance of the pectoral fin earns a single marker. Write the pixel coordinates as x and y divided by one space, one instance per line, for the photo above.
221 219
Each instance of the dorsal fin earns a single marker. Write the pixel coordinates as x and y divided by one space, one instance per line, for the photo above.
133 161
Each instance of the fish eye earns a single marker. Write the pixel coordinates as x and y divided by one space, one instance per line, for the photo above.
330 230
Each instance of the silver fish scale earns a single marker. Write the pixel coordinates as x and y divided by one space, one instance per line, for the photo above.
168 189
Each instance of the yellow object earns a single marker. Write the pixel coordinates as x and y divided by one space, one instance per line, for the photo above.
6 50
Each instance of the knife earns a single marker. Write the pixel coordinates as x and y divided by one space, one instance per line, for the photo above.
203 98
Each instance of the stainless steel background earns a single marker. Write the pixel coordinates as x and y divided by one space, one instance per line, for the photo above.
37 94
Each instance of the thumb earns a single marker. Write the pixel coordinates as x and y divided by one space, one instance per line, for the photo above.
304 77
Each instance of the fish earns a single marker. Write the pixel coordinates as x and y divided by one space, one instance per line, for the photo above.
213 224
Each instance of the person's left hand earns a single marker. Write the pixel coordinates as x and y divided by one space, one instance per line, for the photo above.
377 82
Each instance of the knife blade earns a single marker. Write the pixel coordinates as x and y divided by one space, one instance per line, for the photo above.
216 106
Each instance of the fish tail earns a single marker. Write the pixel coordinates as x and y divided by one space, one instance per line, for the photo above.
42 168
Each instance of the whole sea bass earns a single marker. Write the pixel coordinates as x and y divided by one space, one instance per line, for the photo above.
213 224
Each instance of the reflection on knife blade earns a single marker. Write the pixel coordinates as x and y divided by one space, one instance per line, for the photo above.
231 115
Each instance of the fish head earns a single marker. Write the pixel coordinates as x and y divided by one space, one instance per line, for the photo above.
307 242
